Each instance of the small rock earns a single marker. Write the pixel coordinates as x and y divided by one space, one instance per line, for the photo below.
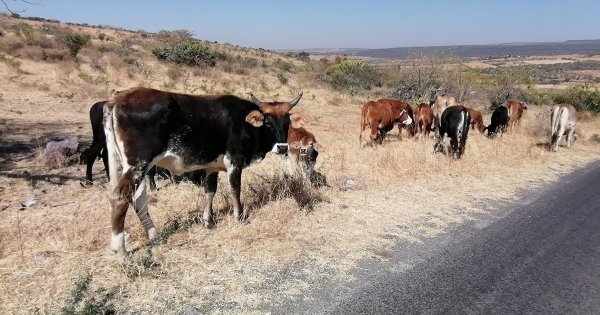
58 150
41 256
30 203
190 310
343 206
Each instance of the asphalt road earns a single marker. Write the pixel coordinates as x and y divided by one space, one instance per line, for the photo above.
540 255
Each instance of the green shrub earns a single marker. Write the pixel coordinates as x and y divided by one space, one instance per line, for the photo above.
75 42
187 53
583 97
352 76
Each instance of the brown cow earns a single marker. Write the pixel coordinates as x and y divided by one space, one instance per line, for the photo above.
381 117
515 112
423 119
476 120
438 106
303 148
399 105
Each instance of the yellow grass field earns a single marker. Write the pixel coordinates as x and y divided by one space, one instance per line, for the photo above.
401 192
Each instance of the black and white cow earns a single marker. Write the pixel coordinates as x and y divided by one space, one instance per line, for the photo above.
454 122
182 133
499 121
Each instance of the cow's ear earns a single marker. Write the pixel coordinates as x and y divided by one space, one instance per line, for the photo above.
255 118
298 121
295 145
317 146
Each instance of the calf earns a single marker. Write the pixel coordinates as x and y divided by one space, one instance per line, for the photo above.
98 149
381 118
423 119
303 148
499 121
515 112
455 123
476 120
563 121
183 133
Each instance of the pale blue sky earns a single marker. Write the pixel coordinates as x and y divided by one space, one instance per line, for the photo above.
301 24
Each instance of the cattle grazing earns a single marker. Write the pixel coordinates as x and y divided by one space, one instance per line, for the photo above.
499 121
476 120
515 112
563 121
146 127
423 119
438 105
303 148
98 149
398 106
454 123
381 118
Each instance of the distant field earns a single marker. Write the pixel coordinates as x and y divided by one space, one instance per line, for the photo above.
481 51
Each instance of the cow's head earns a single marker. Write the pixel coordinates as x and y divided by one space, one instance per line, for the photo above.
523 106
404 118
275 119
307 152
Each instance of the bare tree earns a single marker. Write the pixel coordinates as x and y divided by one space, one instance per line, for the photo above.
13 12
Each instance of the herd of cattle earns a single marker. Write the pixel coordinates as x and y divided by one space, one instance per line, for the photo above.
141 129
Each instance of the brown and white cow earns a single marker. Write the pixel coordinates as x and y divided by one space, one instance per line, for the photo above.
438 105
423 119
303 148
563 121
381 118
476 120
398 105
515 112
183 133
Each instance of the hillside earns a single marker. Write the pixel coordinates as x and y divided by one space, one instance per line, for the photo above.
55 228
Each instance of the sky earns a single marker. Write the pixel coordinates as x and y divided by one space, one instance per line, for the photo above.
304 24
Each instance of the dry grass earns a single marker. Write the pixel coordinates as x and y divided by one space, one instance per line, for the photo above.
54 256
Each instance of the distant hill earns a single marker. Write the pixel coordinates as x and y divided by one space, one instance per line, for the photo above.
496 50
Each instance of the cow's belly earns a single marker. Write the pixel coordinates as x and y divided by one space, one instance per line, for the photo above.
177 165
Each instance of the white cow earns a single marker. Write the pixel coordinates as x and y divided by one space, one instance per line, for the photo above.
564 119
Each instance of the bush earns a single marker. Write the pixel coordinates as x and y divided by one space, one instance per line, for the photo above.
583 97
282 79
352 76
75 42
187 53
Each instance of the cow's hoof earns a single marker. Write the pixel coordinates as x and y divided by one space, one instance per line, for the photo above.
209 224
244 221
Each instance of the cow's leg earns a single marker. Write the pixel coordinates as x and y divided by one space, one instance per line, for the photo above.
119 201
210 188
570 137
140 203
561 132
235 182
374 133
151 178
90 157
105 161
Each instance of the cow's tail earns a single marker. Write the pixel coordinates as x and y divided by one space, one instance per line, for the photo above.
111 145
554 121
363 123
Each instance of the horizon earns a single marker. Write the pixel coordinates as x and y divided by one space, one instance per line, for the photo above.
269 25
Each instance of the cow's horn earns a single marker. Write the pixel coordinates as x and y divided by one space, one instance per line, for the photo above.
296 100
255 100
